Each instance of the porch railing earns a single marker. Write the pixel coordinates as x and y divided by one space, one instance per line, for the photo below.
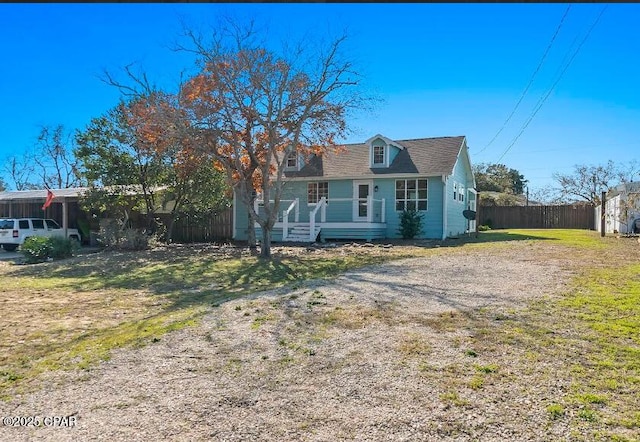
376 208
295 208
333 210
322 206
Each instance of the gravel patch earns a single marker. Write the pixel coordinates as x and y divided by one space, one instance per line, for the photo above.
384 353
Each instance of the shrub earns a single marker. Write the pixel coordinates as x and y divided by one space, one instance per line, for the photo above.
410 224
113 236
483 228
109 233
63 248
38 248
133 239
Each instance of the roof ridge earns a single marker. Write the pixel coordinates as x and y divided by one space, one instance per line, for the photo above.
432 138
408 139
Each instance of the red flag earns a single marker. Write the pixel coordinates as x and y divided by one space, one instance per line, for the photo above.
49 200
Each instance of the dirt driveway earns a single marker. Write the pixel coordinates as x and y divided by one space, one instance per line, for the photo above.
394 352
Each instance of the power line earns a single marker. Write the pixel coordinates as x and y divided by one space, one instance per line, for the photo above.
544 97
533 76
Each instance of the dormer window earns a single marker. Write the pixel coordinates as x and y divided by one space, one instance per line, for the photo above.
378 155
292 161
382 151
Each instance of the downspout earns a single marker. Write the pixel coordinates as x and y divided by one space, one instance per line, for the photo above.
444 207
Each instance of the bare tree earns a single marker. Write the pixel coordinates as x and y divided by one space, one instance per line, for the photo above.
20 171
588 182
54 162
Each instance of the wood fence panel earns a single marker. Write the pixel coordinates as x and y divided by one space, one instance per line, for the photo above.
214 227
537 217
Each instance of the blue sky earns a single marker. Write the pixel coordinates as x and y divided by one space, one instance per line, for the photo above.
441 69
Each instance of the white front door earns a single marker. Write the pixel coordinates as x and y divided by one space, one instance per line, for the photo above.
361 192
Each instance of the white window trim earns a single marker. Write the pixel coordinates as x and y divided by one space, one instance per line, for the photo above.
309 204
395 199
458 192
384 154
286 163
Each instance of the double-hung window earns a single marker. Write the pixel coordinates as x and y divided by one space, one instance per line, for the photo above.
315 191
292 161
411 194
378 155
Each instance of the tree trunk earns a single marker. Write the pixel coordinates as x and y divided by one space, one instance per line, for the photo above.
251 235
265 249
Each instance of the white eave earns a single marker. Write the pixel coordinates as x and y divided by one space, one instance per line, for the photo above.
386 140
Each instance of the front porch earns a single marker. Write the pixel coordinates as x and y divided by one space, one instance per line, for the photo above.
341 218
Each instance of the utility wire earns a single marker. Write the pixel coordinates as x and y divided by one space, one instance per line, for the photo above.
544 97
533 76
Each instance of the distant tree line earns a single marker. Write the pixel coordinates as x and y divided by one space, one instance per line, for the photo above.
504 186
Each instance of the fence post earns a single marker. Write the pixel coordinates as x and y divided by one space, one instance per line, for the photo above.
603 212
477 212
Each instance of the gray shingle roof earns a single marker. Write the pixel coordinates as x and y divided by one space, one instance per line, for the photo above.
40 193
424 156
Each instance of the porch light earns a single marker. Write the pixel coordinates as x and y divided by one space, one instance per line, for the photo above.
375 188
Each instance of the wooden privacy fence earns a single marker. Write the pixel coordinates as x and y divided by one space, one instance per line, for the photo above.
204 228
537 217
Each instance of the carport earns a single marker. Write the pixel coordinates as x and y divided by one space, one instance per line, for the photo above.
28 204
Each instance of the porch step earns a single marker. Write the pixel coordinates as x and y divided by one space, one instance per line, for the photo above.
300 233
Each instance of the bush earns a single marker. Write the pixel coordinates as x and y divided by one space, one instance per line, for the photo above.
410 224
113 236
483 228
63 248
133 239
39 249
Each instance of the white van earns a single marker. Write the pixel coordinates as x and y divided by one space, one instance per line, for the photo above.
14 231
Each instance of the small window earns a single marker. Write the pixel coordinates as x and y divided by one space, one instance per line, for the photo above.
23 224
315 192
6 224
38 223
455 191
292 161
378 154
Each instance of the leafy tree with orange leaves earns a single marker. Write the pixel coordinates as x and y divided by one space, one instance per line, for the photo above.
129 167
251 107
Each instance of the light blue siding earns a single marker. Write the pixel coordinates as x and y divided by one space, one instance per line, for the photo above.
328 234
457 224
347 233
432 217
242 220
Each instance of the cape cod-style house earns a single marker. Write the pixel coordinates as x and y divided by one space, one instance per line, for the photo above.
359 193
